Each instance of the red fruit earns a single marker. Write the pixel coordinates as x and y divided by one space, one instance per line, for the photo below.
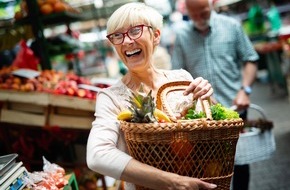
15 86
29 87
181 148
71 92
60 91
81 93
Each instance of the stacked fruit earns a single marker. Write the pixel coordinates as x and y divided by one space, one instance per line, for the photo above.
50 81
53 6
45 7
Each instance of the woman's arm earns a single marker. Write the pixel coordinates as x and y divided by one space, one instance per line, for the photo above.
144 175
105 146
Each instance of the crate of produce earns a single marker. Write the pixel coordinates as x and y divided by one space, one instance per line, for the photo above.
202 148
46 109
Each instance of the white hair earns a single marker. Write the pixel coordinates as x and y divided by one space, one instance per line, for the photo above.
132 14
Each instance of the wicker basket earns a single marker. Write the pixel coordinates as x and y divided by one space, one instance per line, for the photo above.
258 142
201 148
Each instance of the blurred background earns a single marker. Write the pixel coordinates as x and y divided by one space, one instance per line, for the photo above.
65 39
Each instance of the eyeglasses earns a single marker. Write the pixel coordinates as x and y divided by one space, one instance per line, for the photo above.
133 33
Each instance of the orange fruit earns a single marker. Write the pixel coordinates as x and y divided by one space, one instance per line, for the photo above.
46 9
40 2
181 148
59 7
52 2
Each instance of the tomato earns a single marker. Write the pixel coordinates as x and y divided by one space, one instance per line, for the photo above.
213 169
46 9
181 147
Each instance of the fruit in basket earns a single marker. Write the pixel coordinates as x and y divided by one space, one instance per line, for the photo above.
161 116
181 148
213 169
127 115
142 109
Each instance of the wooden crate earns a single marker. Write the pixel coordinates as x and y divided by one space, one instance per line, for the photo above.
38 98
71 112
44 109
70 117
24 113
72 102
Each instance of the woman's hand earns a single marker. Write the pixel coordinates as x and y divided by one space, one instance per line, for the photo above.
188 183
148 176
200 88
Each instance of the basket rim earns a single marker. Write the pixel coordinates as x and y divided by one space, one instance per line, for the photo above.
183 125
220 177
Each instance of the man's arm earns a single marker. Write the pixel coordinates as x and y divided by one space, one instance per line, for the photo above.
242 100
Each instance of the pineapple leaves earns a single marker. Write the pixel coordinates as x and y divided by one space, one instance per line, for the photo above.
142 106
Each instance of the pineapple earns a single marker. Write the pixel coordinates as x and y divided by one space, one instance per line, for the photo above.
142 107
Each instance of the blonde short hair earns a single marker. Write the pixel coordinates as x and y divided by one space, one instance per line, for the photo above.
132 14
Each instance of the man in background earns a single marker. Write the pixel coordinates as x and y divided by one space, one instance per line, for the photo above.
215 47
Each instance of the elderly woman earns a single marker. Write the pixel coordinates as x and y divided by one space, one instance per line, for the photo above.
134 30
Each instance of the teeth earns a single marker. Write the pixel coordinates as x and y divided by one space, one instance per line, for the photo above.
132 52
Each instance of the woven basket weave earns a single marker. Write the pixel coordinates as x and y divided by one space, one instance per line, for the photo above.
201 148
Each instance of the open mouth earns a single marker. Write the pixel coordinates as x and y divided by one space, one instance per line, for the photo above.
133 52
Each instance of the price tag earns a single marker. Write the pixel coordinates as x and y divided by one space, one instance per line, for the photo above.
89 87
26 73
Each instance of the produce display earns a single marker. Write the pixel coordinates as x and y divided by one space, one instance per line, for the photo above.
46 7
50 81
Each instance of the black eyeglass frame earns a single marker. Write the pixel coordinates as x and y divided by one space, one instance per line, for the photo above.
127 33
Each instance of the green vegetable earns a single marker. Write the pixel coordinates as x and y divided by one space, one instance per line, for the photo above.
220 112
192 114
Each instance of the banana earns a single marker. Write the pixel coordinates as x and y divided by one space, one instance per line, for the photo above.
160 115
125 115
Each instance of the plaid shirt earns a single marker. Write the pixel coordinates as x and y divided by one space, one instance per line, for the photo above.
218 57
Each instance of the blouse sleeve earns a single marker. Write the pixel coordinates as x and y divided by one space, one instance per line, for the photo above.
105 146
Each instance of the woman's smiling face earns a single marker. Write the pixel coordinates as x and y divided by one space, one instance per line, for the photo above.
137 54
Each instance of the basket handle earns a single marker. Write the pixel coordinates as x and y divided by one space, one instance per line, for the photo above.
256 108
165 89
